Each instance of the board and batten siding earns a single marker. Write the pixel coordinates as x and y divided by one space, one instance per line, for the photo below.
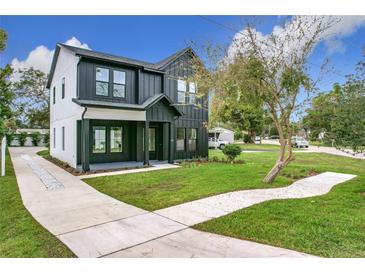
193 116
149 84
87 82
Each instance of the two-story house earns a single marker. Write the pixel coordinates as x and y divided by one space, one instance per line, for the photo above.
107 108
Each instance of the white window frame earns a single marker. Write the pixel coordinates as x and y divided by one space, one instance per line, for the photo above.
181 89
192 92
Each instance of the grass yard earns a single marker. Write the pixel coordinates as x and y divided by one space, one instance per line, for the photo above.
20 234
164 188
332 225
263 147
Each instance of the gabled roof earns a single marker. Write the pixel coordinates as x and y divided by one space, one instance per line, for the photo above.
142 107
155 67
165 62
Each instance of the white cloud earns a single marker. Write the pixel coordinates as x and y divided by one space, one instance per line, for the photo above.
41 57
344 26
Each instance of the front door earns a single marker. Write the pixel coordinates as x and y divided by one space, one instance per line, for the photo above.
152 143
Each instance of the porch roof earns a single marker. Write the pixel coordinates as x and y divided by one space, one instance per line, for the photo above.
141 107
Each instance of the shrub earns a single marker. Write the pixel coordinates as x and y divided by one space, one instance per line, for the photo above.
36 138
238 135
46 140
231 151
9 138
247 138
22 137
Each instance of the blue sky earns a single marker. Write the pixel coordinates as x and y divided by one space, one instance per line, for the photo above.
152 38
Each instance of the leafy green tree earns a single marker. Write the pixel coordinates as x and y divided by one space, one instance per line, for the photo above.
271 69
32 98
322 111
7 122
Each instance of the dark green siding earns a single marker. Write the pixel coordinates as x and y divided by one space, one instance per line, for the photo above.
141 85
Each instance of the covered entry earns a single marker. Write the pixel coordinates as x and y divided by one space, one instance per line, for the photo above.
138 134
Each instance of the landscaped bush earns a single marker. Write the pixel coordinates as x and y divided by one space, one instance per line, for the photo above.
9 138
22 137
231 151
247 138
46 139
36 138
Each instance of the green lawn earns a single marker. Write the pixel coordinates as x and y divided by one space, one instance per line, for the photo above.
265 147
20 234
332 225
164 188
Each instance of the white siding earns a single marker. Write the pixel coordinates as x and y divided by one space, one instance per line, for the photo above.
65 113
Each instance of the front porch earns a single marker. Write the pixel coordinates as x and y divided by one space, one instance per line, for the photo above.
122 165
118 144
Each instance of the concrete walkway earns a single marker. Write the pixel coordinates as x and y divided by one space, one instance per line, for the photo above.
202 210
93 224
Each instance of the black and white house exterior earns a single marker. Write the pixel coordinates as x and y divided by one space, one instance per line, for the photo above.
106 108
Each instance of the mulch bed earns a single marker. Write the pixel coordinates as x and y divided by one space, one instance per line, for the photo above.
77 172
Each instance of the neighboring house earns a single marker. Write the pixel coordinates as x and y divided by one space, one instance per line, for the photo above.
103 108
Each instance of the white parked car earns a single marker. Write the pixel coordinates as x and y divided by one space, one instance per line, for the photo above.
299 142
213 143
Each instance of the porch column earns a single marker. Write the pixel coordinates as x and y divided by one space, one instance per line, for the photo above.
171 143
85 144
146 158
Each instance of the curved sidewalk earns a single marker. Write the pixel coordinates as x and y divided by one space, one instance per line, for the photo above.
93 224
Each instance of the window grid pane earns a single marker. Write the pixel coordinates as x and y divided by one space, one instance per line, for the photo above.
192 139
119 91
99 139
181 85
63 138
116 139
181 97
119 77
63 87
180 139
102 74
102 88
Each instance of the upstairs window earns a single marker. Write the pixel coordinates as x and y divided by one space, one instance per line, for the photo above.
181 90
63 87
192 93
54 95
192 139
118 84
102 81
180 139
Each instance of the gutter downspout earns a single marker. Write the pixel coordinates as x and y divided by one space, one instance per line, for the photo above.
82 141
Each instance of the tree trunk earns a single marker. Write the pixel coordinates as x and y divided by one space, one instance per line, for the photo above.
280 163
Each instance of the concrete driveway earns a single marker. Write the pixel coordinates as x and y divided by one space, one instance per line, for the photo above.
93 224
